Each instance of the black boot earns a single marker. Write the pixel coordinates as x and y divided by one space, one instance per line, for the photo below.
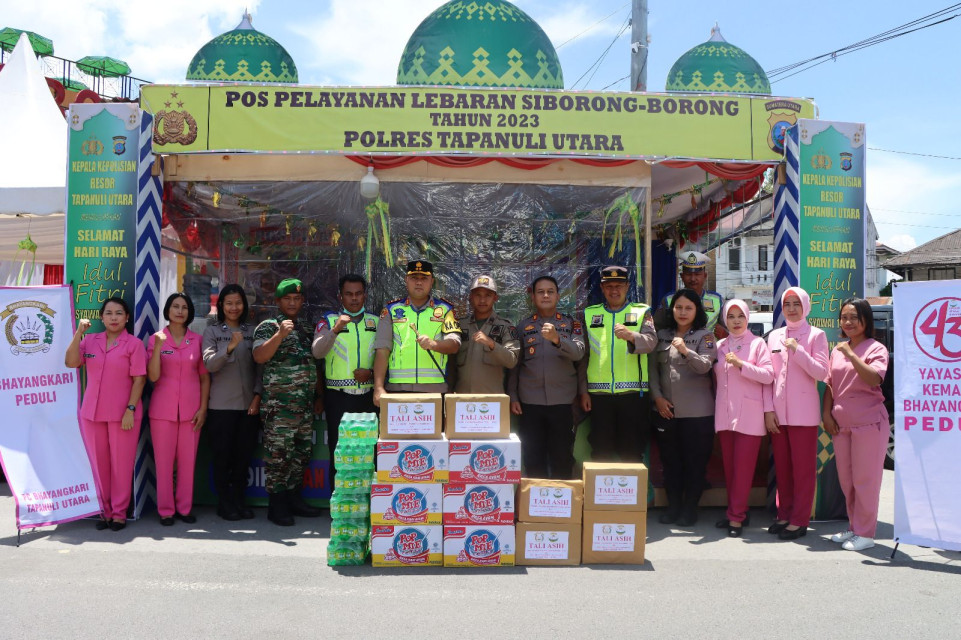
299 506
673 510
240 500
688 517
226 508
278 511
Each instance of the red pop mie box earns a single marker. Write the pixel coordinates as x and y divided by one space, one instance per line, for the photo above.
479 503
483 461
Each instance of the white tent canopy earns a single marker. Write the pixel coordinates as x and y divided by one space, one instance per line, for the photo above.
33 159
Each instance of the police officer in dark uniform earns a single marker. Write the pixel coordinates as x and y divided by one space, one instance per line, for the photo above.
543 385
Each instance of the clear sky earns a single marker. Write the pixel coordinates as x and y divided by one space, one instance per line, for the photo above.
905 90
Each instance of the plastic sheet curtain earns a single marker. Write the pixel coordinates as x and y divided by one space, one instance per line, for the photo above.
259 233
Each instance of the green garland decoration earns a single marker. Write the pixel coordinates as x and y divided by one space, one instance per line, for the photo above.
27 244
378 231
621 207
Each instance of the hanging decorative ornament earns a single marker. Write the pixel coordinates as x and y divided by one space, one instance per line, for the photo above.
216 199
335 237
311 230
361 243
623 206
27 244
693 201
378 231
288 220
243 202
240 242
263 218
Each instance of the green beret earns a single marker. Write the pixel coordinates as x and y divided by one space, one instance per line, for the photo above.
288 286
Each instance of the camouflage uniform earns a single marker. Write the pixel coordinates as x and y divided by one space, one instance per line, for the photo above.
290 378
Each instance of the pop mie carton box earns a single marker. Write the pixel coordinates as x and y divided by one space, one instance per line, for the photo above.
479 545
614 537
550 501
483 461
411 416
471 416
406 461
413 503
548 543
479 503
610 486
406 546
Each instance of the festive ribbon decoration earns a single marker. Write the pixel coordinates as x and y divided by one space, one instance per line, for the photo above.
624 205
378 234
27 244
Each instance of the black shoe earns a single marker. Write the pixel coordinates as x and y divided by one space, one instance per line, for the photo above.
299 506
787 534
278 511
240 500
102 524
227 510
167 522
688 517
735 532
189 518
670 515
777 527
117 526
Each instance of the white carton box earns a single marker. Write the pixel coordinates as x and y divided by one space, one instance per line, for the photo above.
409 503
479 503
406 546
412 460
482 461
479 546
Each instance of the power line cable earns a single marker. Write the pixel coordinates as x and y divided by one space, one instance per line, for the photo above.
912 153
593 68
608 17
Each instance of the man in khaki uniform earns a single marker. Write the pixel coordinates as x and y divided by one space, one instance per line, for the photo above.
489 344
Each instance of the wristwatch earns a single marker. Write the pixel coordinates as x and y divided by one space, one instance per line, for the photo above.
132 407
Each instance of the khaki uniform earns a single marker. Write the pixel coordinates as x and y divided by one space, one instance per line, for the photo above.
482 370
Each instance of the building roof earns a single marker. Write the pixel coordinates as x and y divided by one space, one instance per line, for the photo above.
490 44
718 66
243 54
942 251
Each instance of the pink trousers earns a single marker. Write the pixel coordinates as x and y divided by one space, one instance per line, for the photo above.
859 452
174 445
795 452
112 452
739 452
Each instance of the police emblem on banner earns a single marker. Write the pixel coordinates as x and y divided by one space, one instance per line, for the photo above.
172 126
847 160
91 147
119 145
28 327
783 116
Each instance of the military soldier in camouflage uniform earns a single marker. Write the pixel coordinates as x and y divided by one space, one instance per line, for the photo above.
282 345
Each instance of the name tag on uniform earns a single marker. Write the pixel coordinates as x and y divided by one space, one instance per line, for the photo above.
369 325
597 321
630 320
708 305
496 331
89 355
167 353
775 351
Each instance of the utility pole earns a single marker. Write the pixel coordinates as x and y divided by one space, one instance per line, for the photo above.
639 45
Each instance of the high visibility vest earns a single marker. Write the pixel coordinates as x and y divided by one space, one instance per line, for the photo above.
408 363
611 368
353 349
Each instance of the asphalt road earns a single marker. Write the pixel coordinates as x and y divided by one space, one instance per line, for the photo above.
216 580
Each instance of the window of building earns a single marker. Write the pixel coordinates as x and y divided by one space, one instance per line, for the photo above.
734 255
762 254
941 273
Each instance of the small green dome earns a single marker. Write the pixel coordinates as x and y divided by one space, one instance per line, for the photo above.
481 44
243 55
718 66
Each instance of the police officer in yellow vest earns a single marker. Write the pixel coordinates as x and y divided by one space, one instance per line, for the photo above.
345 342
415 336
613 374
693 265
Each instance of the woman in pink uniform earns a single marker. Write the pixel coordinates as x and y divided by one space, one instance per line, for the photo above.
792 412
742 369
178 407
111 411
855 416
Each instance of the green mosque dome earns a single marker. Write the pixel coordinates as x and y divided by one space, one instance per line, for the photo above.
243 55
481 44
718 66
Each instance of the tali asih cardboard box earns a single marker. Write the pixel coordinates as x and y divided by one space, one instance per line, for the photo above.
411 416
479 503
413 503
615 486
479 545
412 461
614 537
548 543
482 461
472 416
406 546
552 501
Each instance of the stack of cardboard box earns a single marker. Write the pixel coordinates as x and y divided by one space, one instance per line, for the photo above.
485 467
615 513
411 469
549 522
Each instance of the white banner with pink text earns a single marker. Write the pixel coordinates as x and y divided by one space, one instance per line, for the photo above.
41 450
927 413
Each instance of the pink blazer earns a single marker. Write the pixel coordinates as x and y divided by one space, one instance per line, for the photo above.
110 375
176 394
794 396
739 405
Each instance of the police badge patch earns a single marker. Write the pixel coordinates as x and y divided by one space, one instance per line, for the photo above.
597 321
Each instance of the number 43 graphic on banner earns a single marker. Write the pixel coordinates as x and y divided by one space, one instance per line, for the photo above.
937 329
